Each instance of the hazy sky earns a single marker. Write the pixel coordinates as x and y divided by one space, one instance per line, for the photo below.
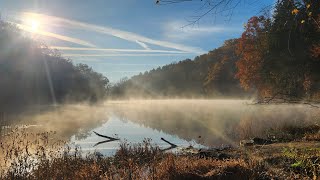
124 37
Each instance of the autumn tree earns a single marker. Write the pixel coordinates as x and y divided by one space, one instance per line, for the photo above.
252 48
294 33
221 79
279 55
315 50
188 78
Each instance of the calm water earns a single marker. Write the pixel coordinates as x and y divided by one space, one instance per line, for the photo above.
183 122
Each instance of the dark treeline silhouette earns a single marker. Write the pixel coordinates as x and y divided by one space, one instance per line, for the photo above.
208 75
32 74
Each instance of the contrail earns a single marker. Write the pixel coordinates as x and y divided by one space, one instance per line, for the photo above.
53 35
128 36
116 50
143 45
117 55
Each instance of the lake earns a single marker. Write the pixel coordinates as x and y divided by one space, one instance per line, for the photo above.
200 123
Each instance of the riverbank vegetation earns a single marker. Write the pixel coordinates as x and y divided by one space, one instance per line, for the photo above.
44 158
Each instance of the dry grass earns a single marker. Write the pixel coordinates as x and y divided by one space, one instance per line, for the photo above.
173 167
312 137
37 156
33 156
298 160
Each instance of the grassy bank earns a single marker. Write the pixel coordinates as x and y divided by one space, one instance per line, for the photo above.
36 156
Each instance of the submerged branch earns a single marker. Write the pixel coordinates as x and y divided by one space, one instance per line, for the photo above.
110 139
104 136
102 142
172 146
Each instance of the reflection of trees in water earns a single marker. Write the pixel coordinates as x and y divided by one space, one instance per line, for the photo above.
190 121
66 120
48 130
262 120
82 134
207 122
213 122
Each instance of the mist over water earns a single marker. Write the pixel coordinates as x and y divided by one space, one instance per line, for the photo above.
183 122
214 122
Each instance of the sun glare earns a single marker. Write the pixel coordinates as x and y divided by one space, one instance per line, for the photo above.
34 25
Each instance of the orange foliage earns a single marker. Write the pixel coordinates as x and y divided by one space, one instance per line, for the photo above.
315 51
251 49
307 83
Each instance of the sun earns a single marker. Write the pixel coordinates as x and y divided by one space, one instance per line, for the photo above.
34 24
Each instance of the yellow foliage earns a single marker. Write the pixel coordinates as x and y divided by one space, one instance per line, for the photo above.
295 11
308 6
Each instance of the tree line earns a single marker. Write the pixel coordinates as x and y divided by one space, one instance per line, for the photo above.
32 74
276 57
279 55
208 75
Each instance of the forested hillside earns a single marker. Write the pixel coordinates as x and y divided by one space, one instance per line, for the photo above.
208 75
31 74
279 55
276 57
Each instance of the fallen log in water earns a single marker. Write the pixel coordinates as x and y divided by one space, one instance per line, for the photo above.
104 136
110 139
172 146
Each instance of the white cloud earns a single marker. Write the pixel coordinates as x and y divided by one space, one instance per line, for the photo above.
128 36
177 30
118 55
117 50
54 35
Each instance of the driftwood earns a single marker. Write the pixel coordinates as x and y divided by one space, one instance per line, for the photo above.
110 139
172 146
217 153
104 136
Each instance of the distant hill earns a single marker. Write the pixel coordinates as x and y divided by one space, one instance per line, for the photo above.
31 74
208 75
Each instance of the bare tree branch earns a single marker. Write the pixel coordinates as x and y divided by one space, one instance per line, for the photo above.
213 7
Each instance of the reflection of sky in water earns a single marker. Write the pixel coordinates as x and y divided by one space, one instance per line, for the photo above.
182 122
131 132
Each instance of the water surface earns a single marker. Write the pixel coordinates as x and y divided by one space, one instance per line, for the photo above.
200 123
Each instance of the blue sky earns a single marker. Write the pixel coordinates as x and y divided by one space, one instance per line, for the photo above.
124 37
